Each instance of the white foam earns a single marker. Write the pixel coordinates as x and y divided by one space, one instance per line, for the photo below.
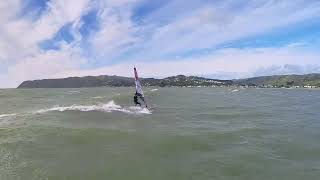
98 97
73 92
145 111
4 119
111 106
140 110
154 90
235 90
6 115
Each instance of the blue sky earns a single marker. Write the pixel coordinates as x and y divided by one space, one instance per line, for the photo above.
219 39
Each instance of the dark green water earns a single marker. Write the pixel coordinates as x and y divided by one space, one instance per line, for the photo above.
191 133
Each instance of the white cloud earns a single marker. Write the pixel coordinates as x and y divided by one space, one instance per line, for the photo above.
116 31
177 27
13 6
58 14
20 36
23 34
238 62
45 65
208 26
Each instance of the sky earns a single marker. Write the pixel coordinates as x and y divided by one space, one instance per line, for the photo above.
223 39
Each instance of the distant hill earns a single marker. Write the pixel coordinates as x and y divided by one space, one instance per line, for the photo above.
78 82
282 80
180 80
118 81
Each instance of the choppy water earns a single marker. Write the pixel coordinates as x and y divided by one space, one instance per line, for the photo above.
190 133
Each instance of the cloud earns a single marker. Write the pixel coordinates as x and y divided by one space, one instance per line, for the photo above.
116 28
25 34
172 38
20 38
45 65
210 25
287 69
226 63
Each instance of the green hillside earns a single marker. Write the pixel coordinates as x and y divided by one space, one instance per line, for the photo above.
118 81
282 80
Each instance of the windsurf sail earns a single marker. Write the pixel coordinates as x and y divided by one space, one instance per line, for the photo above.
139 92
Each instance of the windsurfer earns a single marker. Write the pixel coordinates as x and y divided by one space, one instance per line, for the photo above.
138 96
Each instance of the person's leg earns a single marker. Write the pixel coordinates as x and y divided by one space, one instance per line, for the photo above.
137 103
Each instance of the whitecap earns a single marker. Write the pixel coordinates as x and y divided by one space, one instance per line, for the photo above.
6 115
136 109
73 92
111 106
98 97
154 90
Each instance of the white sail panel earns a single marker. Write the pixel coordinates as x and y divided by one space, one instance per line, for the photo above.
137 82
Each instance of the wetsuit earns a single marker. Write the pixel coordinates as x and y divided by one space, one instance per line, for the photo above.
135 99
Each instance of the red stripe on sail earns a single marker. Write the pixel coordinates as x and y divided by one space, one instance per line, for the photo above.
135 74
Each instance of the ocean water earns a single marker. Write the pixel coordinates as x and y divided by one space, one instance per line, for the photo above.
189 134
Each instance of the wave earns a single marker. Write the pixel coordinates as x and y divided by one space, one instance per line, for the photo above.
98 97
109 107
73 92
6 115
154 90
235 90
102 97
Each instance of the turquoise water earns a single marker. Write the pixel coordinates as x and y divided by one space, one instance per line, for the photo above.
190 133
